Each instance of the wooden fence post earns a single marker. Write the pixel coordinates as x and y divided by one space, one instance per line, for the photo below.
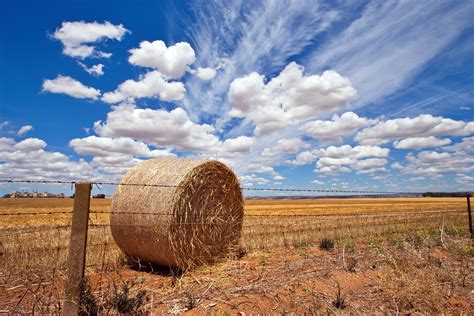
77 248
468 196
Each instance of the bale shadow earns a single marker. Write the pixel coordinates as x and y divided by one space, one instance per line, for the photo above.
153 268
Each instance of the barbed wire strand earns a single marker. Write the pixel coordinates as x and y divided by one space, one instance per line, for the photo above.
242 188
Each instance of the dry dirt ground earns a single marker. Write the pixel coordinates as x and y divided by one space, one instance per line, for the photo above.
423 268
404 274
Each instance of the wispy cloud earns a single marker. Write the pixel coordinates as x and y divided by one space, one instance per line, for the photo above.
245 36
391 42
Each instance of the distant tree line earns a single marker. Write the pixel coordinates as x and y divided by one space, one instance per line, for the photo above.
447 194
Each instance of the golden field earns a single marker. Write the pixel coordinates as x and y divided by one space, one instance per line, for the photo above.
263 207
35 229
278 238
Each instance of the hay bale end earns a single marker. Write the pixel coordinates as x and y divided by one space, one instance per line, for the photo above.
187 213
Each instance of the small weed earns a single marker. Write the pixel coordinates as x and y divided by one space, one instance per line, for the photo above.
464 250
454 231
190 301
305 245
223 313
350 247
326 244
125 304
263 262
396 240
351 264
375 240
87 302
304 255
339 302
415 239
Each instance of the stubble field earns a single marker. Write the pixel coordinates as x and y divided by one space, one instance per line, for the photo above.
384 249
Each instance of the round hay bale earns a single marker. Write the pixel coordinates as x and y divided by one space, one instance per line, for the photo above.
188 213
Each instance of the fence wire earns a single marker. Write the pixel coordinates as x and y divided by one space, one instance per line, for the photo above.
271 189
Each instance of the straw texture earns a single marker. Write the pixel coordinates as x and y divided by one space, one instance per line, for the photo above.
195 223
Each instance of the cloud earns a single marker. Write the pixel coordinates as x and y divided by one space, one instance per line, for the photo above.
95 70
28 159
30 144
370 165
423 125
71 87
260 36
251 179
206 73
338 127
345 158
435 164
77 37
106 146
285 146
241 144
4 124
465 147
150 85
464 180
158 127
170 61
288 98
24 129
115 164
390 42
455 159
340 152
421 142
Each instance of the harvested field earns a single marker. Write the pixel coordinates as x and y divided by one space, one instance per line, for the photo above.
57 210
282 268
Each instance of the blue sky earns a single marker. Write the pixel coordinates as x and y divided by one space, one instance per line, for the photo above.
303 94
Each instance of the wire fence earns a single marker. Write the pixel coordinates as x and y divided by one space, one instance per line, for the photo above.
266 189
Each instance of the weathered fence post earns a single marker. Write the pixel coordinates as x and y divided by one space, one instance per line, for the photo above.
77 248
468 196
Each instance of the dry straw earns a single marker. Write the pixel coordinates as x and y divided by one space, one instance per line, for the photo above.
197 221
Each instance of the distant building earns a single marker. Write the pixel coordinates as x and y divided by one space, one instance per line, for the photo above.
26 194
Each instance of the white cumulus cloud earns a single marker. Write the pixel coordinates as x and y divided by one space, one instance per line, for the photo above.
345 158
157 127
435 164
149 85
77 37
28 159
30 144
95 70
241 144
285 146
171 61
424 125
106 146
207 73
288 98
71 87
338 127
421 142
